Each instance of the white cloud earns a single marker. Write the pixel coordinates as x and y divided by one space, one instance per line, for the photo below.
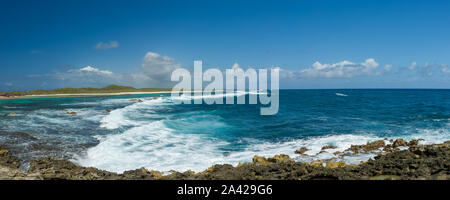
412 66
155 72
388 67
85 77
344 69
95 70
158 67
445 70
9 84
106 45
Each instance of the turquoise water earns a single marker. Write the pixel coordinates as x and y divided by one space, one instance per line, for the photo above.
158 134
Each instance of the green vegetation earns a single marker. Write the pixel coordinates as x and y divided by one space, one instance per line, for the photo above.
12 93
105 90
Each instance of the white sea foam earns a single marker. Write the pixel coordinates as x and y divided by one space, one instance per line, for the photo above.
157 147
314 144
48 116
153 146
429 136
9 107
340 94
121 117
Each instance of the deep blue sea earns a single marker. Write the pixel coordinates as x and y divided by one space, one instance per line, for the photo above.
160 135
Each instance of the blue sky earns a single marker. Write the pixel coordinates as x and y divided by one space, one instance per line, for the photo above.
317 44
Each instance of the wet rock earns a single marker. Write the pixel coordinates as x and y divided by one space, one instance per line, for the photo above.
142 174
316 163
328 147
280 158
333 165
302 150
15 137
55 169
71 113
15 174
136 100
388 148
25 136
260 160
108 110
12 114
420 162
399 143
414 142
321 152
370 146
7 160
276 159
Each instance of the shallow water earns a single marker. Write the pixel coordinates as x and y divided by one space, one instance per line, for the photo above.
160 135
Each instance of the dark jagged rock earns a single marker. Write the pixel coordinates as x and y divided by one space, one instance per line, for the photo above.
14 137
388 148
280 159
8 160
57 169
328 147
302 150
418 162
136 100
399 143
71 113
422 162
142 174
25 136
414 142
370 146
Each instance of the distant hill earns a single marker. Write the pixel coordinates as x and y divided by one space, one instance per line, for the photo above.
107 89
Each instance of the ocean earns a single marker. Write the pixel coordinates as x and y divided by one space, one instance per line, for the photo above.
116 134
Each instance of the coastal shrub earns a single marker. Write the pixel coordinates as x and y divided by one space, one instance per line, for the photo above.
107 89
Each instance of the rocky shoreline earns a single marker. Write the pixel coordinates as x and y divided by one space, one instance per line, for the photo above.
417 162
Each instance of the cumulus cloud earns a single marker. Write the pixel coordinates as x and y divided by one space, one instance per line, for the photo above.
428 69
106 45
158 67
95 70
344 69
154 72
83 77
87 71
